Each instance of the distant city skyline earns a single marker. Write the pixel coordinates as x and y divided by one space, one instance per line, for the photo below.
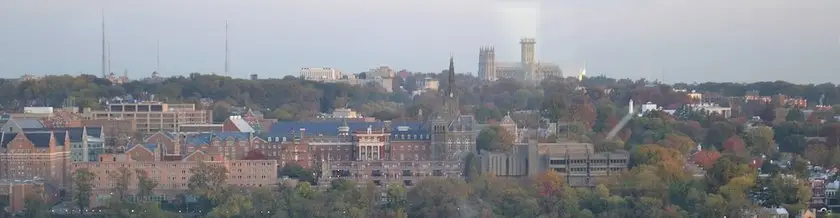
690 41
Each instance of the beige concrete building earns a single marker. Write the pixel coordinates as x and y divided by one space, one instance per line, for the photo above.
320 73
577 162
152 117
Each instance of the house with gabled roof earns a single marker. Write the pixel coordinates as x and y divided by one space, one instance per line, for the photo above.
16 125
237 124
86 142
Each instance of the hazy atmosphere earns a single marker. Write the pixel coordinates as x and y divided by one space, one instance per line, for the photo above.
712 40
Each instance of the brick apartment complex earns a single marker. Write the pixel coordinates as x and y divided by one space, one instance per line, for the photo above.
231 145
42 156
118 133
15 192
173 175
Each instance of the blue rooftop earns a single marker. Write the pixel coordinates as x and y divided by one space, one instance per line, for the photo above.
151 147
330 128
75 132
207 138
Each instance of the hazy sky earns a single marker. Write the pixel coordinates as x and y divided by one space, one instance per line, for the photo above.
688 40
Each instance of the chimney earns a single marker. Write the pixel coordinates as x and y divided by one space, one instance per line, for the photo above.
302 133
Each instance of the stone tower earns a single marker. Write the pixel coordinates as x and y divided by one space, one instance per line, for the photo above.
528 59
440 122
487 63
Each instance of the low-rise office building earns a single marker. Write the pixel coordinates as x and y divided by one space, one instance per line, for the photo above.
151 116
577 162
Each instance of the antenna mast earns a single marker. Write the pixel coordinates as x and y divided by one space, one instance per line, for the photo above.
109 58
157 55
663 76
104 61
227 52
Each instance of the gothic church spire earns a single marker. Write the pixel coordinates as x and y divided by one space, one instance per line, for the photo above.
450 89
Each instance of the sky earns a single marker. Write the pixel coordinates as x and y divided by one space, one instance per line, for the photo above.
674 40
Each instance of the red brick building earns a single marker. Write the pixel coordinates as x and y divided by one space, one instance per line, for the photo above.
35 156
173 175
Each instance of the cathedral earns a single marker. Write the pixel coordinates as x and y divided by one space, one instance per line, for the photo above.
453 134
527 69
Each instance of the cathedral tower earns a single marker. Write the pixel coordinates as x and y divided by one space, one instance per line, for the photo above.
529 62
487 63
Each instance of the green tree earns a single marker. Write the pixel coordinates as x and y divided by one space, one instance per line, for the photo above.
34 206
471 167
682 143
719 132
557 100
264 203
82 188
3 204
557 199
605 118
121 179
117 205
726 168
145 185
294 170
483 114
280 114
790 136
669 162
436 198
395 197
760 140
494 138
795 115
208 181
298 201
788 192
235 204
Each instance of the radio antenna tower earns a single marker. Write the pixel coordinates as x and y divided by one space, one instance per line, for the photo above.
104 61
157 56
227 52
109 59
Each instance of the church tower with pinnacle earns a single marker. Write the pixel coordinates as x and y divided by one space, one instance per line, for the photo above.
441 122
451 106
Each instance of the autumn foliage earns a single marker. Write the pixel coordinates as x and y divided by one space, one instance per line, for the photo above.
735 145
668 161
682 143
706 158
549 183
